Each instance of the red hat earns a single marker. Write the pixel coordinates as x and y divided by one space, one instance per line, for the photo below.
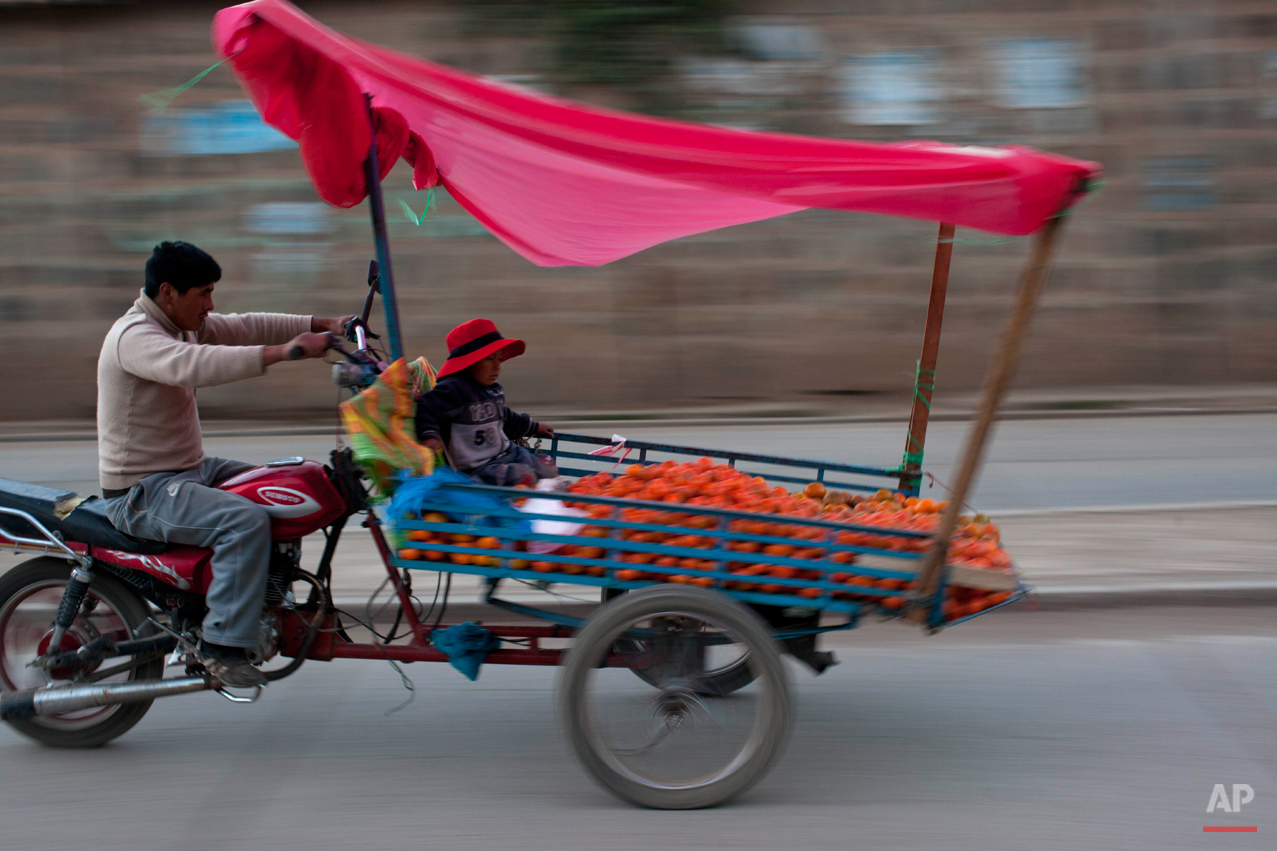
471 342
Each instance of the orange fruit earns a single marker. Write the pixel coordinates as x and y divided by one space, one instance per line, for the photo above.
628 575
410 554
543 567
419 535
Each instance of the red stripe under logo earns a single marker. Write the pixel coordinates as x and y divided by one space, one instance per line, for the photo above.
1230 829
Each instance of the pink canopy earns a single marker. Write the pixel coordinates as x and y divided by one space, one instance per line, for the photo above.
563 183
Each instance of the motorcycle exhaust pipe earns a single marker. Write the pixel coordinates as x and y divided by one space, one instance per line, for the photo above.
27 702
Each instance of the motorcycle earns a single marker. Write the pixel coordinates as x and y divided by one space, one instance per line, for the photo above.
88 628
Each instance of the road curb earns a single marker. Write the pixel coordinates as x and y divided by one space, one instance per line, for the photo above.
566 423
1048 599
1070 597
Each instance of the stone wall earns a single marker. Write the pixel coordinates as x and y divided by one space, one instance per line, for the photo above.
1165 278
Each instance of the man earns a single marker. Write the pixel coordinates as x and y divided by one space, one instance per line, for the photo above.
157 482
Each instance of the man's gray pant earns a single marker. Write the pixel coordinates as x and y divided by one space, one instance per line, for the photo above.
184 508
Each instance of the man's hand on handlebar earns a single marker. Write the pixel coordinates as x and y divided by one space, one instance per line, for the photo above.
332 326
308 345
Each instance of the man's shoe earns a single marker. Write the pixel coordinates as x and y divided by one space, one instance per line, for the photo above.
230 666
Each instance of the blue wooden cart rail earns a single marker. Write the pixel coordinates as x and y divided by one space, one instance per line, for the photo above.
644 452
508 526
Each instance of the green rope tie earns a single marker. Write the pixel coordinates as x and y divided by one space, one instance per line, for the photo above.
1092 189
915 458
160 100
960 240
413 217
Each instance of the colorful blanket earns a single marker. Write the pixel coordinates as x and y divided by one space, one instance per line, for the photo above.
379 423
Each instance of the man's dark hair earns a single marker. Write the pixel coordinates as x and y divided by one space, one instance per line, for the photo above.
182 265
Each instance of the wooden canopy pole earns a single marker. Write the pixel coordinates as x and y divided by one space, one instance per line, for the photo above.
996 382
924 381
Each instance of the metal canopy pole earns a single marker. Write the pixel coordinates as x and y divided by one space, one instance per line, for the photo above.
996 382
924 381
372 175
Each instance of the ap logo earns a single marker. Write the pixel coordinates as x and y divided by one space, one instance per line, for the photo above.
1242 794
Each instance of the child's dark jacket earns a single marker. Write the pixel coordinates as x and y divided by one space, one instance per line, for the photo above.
470 419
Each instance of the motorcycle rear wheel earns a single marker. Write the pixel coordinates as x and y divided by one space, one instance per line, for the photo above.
29 596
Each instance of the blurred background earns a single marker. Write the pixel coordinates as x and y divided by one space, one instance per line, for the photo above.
1164 279
1140 677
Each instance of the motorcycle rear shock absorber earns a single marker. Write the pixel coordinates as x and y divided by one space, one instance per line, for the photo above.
72 599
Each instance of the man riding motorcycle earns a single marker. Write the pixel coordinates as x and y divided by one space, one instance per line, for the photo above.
156 479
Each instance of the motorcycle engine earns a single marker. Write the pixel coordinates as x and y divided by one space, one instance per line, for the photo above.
267 638
285 560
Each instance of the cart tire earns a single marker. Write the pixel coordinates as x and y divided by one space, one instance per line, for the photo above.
766 733
25 592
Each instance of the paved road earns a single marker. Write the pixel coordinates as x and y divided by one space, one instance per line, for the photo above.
1031 464
1025 730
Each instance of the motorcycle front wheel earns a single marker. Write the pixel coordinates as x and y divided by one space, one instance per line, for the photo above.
29 597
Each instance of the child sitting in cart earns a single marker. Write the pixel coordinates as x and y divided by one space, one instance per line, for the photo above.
467 414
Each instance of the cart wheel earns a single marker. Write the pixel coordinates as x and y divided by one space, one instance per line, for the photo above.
726 675
677 748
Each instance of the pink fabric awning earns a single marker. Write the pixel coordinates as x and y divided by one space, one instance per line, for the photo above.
564 183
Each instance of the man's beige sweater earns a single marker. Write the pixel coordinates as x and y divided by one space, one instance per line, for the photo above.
147 374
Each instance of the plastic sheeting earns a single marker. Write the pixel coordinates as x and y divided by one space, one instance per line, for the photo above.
564 183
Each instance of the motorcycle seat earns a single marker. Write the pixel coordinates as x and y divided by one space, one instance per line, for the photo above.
85 523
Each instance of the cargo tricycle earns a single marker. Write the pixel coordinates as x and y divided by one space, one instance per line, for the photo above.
710 564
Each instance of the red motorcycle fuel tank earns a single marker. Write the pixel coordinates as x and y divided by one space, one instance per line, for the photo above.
297 495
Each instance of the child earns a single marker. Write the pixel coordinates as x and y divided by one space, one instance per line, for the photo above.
466 411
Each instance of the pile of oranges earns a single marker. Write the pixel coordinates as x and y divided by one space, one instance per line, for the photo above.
702 483
475 542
